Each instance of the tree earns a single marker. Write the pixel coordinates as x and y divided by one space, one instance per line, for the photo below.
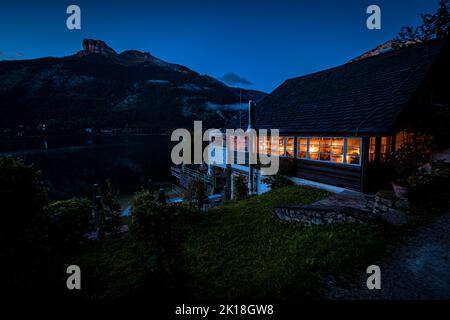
22 199
196 193
111 220
69 221
160 230
434 26
240 188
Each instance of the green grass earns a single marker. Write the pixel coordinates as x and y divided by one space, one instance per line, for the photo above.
110 269
238 252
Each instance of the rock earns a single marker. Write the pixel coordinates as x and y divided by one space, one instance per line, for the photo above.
384 47
135 56
402 205
96 46
310 215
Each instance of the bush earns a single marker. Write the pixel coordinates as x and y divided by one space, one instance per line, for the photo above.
160 230
111 220
69 221
22 199
240 188
196 193
410 157
277 181
429 194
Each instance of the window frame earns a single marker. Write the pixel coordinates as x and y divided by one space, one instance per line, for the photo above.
346 149
293 147
284 146
344 155
297 138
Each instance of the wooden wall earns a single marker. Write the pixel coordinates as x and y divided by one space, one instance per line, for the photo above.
345 176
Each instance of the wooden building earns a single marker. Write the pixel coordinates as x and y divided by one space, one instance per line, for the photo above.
335 122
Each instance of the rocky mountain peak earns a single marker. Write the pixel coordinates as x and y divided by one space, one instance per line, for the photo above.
96 46
384 47
128 57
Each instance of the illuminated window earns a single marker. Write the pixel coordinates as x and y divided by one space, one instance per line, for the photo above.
401 138
302 147
325 149
280 143
290 147
233 143
337 150
277 147
264 145
328 149
385 148
353 150
372 149
268 146
314 148
241 143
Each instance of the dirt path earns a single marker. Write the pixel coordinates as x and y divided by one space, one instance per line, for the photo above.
418 268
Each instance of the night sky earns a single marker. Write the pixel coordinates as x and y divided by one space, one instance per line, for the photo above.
263 42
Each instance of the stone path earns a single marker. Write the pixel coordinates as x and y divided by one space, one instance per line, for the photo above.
347 199
361 201
418 268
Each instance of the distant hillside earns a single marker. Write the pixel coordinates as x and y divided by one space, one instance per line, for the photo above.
101 89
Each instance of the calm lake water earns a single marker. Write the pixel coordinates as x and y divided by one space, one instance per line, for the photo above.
70 165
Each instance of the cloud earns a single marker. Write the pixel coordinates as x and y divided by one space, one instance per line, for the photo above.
232 78
8 55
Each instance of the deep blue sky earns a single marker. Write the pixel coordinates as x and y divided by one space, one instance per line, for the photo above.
263 41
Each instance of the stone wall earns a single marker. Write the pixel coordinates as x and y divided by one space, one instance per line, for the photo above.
313 215
386 202
384 207
390 208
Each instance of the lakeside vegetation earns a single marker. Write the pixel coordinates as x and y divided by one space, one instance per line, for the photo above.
234 252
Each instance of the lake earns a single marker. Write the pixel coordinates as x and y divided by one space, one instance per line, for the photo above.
70 165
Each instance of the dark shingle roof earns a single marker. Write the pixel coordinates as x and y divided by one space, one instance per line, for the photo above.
366 96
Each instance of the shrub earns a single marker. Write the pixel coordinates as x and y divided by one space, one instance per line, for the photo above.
410 157
69 221
160 230
429 194
277 181
111 221
196 193
22 199
240 188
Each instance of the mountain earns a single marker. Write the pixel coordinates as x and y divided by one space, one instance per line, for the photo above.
102 89
384 47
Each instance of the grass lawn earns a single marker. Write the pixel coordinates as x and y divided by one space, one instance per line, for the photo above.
238 252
